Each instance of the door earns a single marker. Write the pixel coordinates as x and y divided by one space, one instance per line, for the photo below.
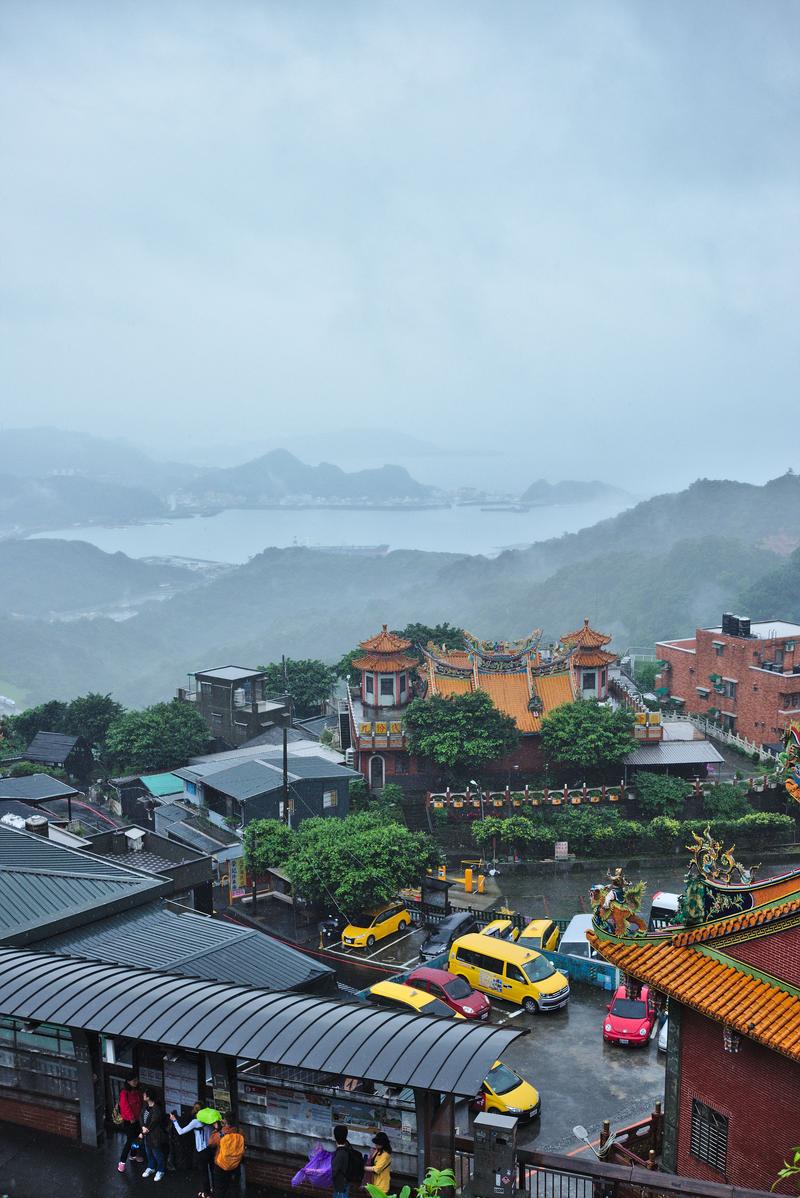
376 773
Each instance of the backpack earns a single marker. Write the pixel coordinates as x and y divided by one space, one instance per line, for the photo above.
230 1151
355 1166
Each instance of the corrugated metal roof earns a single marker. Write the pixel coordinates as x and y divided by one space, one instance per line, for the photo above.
35 788
229 673
192 944
162 784
677 752
43 883
354 1039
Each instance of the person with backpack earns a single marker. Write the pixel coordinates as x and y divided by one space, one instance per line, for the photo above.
228 1147
130 1111
347 1164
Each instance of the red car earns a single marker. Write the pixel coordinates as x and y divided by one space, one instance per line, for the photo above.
630 1020
451 990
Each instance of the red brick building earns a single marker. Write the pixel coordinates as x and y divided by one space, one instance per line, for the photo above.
732 1096
744 675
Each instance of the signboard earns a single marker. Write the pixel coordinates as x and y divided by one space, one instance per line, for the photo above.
562 850
180 1083
238 881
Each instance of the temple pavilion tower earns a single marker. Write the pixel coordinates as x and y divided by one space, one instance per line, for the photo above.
385 670
590 661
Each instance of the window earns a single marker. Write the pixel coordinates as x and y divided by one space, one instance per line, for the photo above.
370 684
709 1136
470 957
513 974
589 680
728 688
718 649
403 683
191 788
330 798
216 719
387 686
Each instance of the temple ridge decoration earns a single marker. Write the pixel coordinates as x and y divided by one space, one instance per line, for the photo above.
790 762
616 905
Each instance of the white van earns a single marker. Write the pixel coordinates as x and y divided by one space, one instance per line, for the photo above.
663 910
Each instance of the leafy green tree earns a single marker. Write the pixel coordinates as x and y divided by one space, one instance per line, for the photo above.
358 795
47 717
726 800
440 634
156 738
464 732
661 795
309 682
90 716
588 736
356 863
645 673
344 667
267 843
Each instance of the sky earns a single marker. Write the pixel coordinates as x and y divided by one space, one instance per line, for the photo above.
563 232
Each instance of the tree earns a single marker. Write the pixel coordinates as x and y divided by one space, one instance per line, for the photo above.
645 673
267 843
726 800
47 717
344 667
308 681
90 716
463 732
356 863
440 634
585 735
157 738
661 795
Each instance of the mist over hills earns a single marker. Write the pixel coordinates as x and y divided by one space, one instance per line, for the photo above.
654 571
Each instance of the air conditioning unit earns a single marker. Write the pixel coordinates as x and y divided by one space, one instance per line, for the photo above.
350 757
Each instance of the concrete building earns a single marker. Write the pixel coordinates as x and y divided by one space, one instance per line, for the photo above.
233 702
743 674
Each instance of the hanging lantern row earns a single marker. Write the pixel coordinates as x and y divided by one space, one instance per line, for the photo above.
499 800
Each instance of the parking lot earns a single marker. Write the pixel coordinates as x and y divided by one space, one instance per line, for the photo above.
580 1078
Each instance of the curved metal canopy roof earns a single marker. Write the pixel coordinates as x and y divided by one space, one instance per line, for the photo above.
352 1039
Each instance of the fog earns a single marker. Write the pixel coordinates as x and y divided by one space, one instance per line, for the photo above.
566 233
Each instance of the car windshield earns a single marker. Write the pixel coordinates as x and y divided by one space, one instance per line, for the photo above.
502 1079
361 921
458 988
538 969
627 1008
437 1007
529 942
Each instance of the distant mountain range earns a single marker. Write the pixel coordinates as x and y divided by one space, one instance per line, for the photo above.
656 570
279 475
543 493
35 504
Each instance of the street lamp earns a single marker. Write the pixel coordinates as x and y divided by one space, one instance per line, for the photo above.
472 782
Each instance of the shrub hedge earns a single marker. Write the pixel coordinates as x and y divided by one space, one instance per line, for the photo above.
592 834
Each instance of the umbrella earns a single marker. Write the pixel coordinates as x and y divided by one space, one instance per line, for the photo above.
208 1115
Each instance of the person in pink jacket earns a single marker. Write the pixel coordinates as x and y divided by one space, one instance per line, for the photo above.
130 1107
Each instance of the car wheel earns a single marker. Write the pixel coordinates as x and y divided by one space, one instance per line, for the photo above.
531 1006
370 941
401 927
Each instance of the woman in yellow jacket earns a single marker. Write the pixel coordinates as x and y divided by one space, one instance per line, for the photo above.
379 1163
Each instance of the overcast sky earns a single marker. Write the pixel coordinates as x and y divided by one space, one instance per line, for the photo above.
571 228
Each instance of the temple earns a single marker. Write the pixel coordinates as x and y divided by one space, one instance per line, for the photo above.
729 969
521 678
591 660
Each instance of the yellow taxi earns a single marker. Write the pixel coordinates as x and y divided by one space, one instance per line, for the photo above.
503 929
539 934
508 971
395 994
504 1092
366 929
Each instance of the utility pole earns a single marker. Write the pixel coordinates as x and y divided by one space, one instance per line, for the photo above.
286 720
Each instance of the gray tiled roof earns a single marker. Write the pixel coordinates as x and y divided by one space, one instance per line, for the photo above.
191 944
676 752
50 747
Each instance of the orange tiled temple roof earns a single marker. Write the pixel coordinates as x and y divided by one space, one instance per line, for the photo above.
753 1004
386 642
593 657
387 662
742 922
510 693
586 638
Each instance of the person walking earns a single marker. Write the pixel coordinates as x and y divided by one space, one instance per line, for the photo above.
201 1123
154 1134
130 1109
228 1147
347 1164
379 1163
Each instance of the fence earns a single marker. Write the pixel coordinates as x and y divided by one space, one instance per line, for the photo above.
717 732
